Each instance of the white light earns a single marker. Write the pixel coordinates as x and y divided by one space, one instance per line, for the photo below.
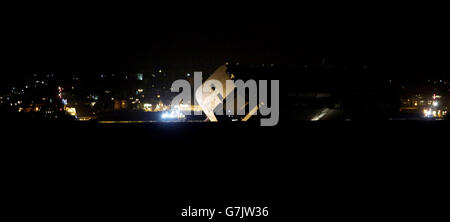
428 112
435 103
173 114
320 115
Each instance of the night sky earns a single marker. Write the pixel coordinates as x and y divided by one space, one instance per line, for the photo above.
55 42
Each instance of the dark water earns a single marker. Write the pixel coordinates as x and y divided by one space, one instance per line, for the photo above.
323 170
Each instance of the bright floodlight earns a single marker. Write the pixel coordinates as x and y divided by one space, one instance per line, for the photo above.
435 103
172 114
